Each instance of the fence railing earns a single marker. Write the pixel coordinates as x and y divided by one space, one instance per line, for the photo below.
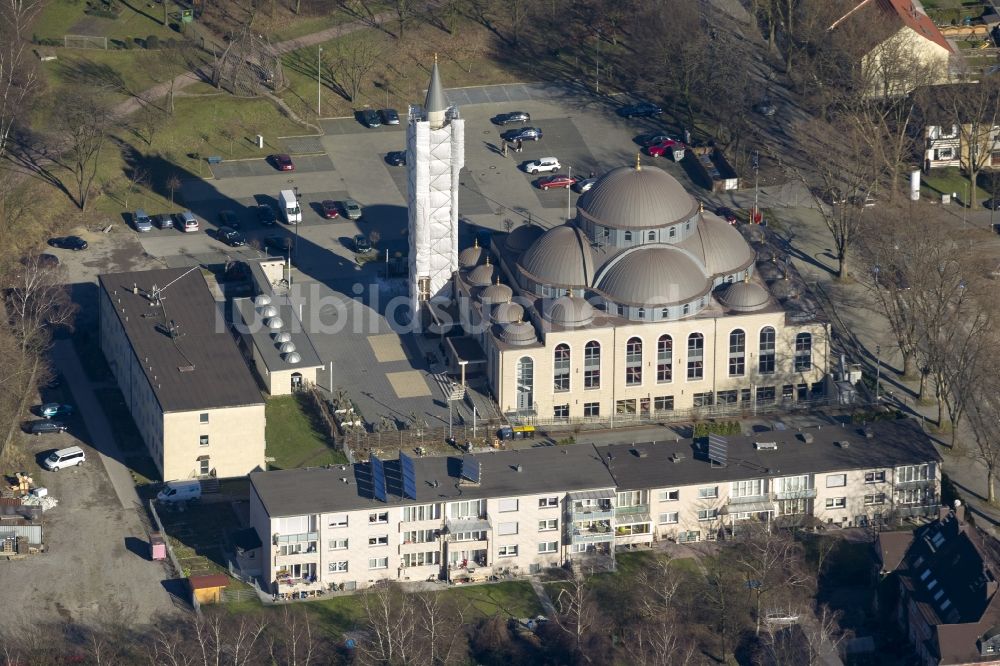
174 563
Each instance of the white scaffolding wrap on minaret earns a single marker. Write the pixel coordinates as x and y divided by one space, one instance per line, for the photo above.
435 147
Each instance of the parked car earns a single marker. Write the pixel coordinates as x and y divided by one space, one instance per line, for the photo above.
352 209
180 491
231 237
63 458
389 116
330 209
141 221
584 185
864 200
726 214
164 221
640 110
228 218
647 140
69 243
282 162
556 180
396 158
369 118
52 409
45 427
266 215
765 107
186 221
281 244
362 244
542 165
512 117
664 148
523 134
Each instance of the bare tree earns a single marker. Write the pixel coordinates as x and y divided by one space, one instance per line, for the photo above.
975 108
982 409
296 643
658 638
18 78
173 184
349 66
82 121
577 613
771 562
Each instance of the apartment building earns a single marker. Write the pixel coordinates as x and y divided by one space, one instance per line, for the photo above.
190 393
469 518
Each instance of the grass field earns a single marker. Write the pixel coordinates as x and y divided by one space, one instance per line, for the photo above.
293 439
139 19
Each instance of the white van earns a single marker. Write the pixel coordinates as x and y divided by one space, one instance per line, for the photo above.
289 207
180 491
57 460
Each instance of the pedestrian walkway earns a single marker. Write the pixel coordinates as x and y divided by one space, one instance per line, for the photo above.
543 598
101 433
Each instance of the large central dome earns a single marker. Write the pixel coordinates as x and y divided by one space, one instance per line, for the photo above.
654 276
639 197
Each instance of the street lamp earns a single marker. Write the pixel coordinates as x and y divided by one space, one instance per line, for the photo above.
568 197
319 84
878 369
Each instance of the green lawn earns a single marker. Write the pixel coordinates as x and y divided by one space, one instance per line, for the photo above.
293 440
936 182
61 17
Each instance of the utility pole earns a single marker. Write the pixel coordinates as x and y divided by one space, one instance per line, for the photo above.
878 369
756 170
319 81
597 77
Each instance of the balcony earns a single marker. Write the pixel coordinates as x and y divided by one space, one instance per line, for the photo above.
592 535
630 512
806 493
591 513
750 499
916 483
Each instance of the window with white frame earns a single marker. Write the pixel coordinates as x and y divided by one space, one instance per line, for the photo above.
836 480
633 362
378 518
696 356
561 368
765 351
664 359
792 484
631 498
506 529
876 476
378 540
669 518
707 514
592 365
548 525
748 488
737 353
548 547
478 535
507 551
875 500
708 492
467 509
419 536
918 495
908 473
338 544
338 520
421 512
507 505
836 502
421 559
337 567
548 502
378 563
803 352
671 495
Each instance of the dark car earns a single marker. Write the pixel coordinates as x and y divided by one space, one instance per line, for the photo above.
992 204
523 134
389 116
164 221
277 242
362 244
45 427
231 237
282 162
53 409
396 158
512 117
369 118
556 180
69 243
266 216
228 218
640 110
331 209
726 214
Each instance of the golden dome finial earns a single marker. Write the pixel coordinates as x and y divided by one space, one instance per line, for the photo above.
487 260
701 206
498 280
638 161
435 57
475 243
569 292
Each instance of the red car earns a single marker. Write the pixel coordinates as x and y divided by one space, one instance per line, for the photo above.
330 209
727 214
556 180
282 162
666 147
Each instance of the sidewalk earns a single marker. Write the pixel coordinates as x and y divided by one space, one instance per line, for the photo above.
102 435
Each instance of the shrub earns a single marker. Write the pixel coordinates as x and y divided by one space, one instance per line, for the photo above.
152 42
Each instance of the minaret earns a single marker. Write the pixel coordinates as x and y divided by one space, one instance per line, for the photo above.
435 154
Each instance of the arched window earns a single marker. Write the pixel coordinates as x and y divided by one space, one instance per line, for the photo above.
561 368
633 362
696 356
525 383
665 313
664 359
766 351
686 309
640 313
592 365
737 353
628 236
803 352
651 236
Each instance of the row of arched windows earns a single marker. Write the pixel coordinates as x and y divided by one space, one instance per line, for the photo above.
766 351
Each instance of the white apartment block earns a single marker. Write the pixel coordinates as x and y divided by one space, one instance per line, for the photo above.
545 507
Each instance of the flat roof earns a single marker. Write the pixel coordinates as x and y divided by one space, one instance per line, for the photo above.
263 337
296 492
200 367
651 465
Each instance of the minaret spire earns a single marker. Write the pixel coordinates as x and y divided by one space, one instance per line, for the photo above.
436 103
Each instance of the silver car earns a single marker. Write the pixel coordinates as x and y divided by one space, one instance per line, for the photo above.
142 221
352 209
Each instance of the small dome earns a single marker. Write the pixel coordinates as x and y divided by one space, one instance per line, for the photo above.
483 276
653 275
268 311
560 258
471 256
744 296
496 293
520 239
286 347
518 333
262 299
639 197
292 357
570 311
282 336
274 323
506 313
720 246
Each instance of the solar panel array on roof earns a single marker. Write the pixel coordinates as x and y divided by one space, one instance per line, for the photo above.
470 469
378 479
718 449
409 476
